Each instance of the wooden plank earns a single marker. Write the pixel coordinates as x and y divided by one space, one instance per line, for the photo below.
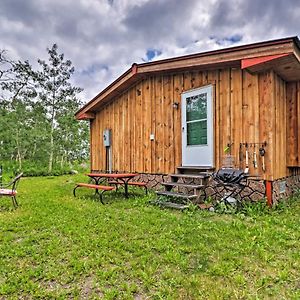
213 78
277 128
126 147
146 125
198 79
153 123
138 128
120 130
225 111
205 77
168 125
267 120
193 79
92 130
187 82
159 102
285 170
255 123
132 95
280 169
177 89
99 148
217 126
115 136
124 131
250 121
109 124
236 114
292 125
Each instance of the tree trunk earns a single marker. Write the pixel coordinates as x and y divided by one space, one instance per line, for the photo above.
19 157
50 165
62 161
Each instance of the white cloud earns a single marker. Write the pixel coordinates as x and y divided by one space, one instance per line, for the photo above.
104 38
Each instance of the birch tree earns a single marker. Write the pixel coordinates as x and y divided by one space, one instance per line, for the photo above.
56 92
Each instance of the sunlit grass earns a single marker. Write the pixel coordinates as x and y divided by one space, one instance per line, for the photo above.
58 246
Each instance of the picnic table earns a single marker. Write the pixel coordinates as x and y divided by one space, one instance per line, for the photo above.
122 178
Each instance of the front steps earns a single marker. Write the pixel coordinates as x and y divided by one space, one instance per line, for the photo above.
194 170
184 187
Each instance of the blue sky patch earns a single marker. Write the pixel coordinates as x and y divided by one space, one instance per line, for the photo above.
228 40
151 53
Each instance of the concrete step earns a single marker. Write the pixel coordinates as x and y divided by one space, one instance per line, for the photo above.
177 195
184 185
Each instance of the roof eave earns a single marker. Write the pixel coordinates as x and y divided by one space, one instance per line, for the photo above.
211 58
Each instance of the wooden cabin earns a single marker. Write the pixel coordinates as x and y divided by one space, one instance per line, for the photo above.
196 110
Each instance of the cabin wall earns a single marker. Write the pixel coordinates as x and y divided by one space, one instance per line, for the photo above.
280 137
247 109
293 124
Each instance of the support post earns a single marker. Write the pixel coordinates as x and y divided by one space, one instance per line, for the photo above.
269 192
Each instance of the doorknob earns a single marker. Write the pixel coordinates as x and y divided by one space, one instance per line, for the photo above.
182 128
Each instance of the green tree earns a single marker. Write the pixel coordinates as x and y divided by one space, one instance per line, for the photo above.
37 112
18 83
56 93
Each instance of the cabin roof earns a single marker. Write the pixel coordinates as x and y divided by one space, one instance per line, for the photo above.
281 55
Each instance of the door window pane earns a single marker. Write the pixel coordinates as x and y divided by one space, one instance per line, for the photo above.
197 133
196 107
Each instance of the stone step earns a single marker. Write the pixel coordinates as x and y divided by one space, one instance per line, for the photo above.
184 185
171 205
177 195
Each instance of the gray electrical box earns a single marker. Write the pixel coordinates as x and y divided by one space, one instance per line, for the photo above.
107 137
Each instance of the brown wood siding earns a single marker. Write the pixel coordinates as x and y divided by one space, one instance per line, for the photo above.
247 108
293 124
280 167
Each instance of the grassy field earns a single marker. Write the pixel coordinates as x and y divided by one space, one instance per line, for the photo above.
55 246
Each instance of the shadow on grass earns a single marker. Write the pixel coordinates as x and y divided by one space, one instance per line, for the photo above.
111 197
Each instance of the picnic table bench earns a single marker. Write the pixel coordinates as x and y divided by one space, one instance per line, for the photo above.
121 178
97 187
133 183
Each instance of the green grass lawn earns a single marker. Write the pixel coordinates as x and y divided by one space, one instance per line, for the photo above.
58 246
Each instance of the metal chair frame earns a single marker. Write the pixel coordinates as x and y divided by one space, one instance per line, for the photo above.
13 187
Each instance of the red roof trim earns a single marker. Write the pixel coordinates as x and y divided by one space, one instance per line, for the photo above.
86 116
249 62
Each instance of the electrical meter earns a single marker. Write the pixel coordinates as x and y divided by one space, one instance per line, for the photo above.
107 137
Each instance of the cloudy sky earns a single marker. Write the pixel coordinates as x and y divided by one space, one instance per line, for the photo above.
104 37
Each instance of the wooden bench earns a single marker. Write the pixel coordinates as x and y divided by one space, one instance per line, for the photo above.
96 187
133 183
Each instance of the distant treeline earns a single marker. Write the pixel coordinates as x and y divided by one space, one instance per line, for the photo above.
38 131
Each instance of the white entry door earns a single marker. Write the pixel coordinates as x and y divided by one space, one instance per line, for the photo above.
197 127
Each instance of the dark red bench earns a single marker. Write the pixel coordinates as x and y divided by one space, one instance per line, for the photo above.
96 187
134 183
10 189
